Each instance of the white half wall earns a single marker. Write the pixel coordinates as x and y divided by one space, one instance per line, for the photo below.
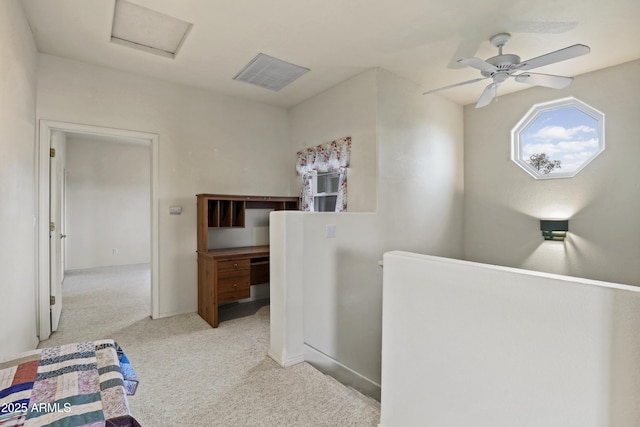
326 294
286 267
469 344
18 331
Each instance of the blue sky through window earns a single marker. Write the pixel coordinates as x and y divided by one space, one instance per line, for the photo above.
566 134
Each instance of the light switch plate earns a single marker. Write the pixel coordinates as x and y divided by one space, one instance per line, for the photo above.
175 210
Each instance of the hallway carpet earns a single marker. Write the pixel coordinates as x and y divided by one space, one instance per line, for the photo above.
193 375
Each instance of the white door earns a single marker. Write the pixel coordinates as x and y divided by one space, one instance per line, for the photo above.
63 222
56 230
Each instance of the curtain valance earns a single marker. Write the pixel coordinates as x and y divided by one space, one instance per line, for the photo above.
327 157
330 157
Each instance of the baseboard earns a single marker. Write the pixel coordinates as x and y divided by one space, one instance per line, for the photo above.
285 363
342 373
172 313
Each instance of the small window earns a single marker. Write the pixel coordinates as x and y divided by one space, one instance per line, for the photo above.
325 191
557 139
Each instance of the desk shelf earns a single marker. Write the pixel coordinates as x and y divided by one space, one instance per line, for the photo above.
225 213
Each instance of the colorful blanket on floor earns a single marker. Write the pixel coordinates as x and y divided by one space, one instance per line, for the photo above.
79 384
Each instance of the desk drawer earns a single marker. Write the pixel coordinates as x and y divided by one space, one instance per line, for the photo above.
234 283
231 290
234 275
234 280
234 265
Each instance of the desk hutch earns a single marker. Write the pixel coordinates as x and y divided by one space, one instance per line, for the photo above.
227 274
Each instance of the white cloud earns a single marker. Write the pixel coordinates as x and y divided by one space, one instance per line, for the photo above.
572 154
550 133
578 146
562 147
529 149
579 157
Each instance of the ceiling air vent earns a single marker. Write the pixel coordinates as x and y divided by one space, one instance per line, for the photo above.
147 30
270 73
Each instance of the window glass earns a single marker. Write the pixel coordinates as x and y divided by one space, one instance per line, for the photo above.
558 139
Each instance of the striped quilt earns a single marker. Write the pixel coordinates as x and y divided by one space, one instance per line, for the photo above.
69 385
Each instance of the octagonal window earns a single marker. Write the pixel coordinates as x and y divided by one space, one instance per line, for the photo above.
558 139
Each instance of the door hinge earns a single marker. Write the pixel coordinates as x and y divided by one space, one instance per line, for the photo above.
52 300
52 226
52 152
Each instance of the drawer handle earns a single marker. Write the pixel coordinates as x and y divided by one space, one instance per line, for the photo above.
235 265
235 285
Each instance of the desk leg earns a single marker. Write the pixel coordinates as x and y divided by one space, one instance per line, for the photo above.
207 291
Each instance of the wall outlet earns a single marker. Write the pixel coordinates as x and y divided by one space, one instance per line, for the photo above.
115 251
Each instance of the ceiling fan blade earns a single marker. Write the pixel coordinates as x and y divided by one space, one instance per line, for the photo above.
488 94
553 57
546 80
454 85
477 63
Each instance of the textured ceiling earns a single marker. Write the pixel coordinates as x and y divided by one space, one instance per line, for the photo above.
337 39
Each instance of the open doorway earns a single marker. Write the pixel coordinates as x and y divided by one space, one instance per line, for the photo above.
111 209
108 220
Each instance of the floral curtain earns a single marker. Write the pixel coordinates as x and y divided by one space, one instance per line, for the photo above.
341 202
330 157
306 195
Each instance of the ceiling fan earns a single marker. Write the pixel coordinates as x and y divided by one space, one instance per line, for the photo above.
499 68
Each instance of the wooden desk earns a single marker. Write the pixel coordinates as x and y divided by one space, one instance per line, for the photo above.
227 275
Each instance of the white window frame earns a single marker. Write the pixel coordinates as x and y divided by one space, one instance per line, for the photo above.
533 114
317 196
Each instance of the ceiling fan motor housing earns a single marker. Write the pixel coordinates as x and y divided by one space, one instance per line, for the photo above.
504 63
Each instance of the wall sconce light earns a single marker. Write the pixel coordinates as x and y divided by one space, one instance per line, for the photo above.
554 229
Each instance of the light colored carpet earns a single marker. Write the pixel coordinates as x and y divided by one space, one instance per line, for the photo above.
194 375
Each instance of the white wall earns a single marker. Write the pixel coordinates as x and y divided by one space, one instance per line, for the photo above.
349 109
17 181
467 344
108 202
420 169
208 143
254 233
503 203
418 183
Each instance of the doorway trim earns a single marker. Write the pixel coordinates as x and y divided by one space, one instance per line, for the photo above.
43 320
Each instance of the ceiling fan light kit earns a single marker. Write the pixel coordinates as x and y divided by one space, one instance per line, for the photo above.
501 67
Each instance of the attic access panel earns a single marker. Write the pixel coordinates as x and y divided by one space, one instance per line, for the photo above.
557 139
147 30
